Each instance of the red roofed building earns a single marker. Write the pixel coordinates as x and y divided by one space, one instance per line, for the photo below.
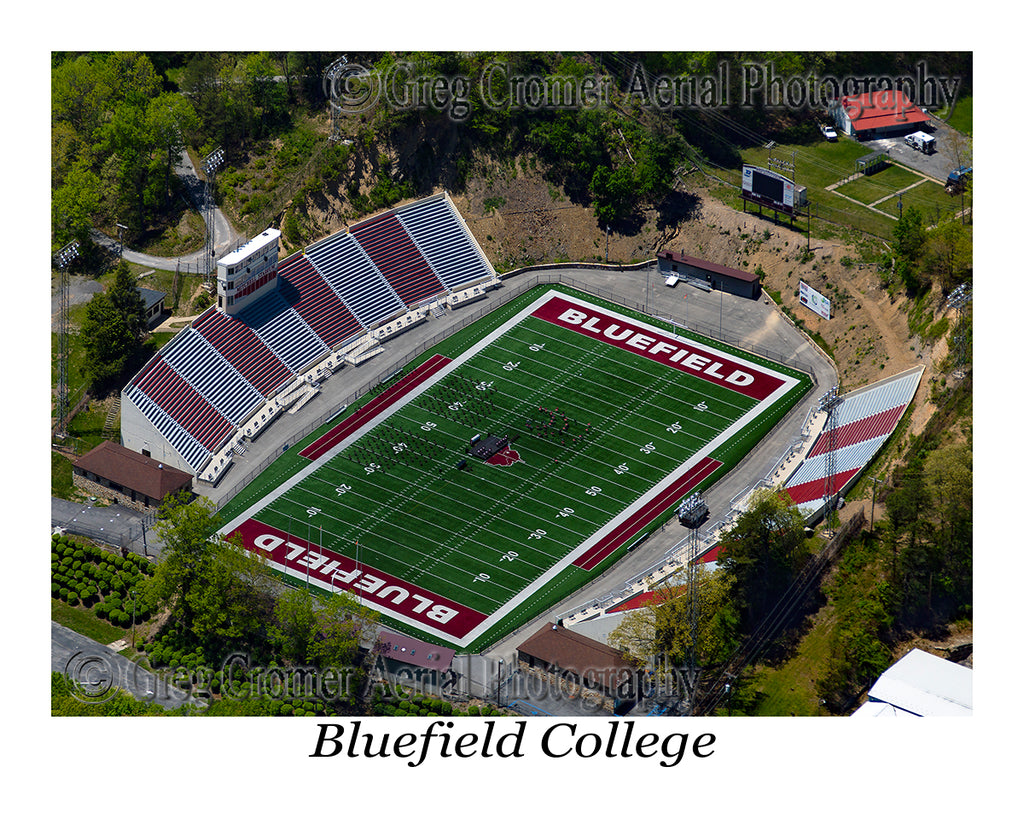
877 114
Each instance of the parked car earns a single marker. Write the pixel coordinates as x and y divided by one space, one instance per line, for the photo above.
828 132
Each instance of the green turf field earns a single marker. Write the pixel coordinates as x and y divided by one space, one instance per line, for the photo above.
585 444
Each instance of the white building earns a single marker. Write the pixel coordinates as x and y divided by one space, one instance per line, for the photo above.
921 685
249 272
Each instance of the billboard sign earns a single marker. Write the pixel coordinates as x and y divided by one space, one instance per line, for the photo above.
813 300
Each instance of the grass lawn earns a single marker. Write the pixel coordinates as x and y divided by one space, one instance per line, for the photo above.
881 184
790 688
821 164
929 198
86 623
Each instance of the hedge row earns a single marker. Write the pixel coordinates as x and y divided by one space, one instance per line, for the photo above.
86 574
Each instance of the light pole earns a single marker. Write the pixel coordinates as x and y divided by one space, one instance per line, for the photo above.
64 257
133 619
210 165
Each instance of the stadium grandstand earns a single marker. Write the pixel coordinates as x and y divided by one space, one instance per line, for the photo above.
865 419
288 323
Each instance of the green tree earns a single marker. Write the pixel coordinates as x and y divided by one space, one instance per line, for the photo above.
79 99
295 625
613 194
949 253
171 120
187 528
662 628
74 204
762 555
909 237
234 603
343 623
113 328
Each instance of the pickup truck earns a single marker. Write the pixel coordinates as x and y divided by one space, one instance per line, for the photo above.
956 179
828 132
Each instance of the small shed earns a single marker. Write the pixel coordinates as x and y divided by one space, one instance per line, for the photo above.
708 275
153 300
408 650
112 469
869 163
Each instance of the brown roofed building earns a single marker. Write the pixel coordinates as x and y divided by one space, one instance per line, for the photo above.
591 663
710 275
134 478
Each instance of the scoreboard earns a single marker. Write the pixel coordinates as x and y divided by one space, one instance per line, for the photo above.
772 189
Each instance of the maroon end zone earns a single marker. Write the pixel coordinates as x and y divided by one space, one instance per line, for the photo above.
329 570
707 364
625 530
373 408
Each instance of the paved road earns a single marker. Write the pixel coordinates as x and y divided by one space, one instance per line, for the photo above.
97 670
224 234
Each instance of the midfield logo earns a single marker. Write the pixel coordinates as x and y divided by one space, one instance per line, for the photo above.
506 457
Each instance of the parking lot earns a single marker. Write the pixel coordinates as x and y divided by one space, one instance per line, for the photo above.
936 165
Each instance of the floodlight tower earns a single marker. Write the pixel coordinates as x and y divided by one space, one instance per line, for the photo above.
692 513
828 403
958 300
210 165
63 259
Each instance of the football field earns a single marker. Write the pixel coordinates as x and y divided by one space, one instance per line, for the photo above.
489 482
